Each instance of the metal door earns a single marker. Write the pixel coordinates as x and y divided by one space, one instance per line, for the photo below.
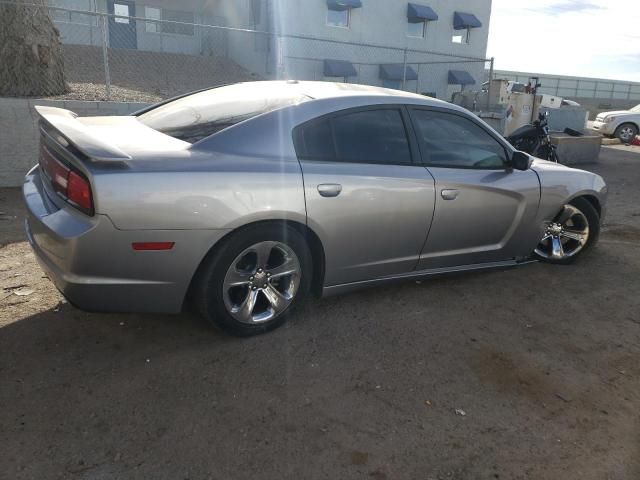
484 210
372 219
372 214
481 216
122 31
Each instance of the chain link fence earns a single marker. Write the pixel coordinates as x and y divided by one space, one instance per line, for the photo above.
109 56
575 87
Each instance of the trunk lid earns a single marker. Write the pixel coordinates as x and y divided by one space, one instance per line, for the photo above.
105 139
73 149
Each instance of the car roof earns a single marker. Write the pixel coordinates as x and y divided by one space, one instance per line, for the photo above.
327 90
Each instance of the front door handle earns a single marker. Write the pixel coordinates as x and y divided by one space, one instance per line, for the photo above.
329 189
449 194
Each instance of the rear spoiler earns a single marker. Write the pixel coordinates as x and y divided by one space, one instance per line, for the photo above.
64 121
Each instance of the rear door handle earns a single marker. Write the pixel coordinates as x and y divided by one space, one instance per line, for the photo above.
449 194
329 189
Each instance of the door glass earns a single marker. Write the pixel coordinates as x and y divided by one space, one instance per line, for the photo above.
452 141
313 141
371 136
120 9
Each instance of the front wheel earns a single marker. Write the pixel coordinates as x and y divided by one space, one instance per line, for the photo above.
574 230
255 279
626 132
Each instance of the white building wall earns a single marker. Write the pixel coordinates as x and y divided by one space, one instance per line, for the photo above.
377 34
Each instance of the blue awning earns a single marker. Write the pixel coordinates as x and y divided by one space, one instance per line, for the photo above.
460 77
394 72
339 68
462 21
343 4
420 13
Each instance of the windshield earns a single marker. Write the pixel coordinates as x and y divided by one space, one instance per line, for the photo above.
636 108
197 116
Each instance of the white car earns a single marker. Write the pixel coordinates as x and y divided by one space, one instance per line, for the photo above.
623 124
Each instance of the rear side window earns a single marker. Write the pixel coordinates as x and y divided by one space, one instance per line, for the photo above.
315 141
366 136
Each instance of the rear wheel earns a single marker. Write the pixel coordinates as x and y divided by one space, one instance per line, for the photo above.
626 132
574 230
255 279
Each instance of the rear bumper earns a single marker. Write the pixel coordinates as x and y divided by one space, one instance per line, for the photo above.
94 266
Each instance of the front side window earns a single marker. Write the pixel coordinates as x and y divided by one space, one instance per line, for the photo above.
452 141
338 18
366 136
416 29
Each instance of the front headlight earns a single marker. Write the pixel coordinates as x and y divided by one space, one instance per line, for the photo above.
609 119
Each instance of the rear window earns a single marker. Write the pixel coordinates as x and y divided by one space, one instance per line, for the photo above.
202 114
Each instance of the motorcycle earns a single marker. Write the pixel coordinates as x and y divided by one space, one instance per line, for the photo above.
534 139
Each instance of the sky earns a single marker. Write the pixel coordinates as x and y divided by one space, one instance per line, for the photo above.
590 38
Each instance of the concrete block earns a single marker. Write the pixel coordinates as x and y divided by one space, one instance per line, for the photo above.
134 107
19 136
577 150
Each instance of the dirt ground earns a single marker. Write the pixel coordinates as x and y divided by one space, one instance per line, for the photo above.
529 373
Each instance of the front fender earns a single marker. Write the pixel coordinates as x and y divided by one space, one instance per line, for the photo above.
561 184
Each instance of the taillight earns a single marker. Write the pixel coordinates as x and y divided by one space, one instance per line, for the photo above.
79 192
73 187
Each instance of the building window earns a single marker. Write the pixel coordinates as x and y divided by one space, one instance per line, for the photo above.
178 16
152 14
164 21
416 29
73 17
461 37
339 18
121 10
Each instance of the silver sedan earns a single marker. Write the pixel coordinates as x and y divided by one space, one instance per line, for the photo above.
242 200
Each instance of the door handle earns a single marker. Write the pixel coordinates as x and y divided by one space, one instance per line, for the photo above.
449 194
329 189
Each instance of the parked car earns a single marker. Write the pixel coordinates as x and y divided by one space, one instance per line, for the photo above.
244 199
569 103
623 124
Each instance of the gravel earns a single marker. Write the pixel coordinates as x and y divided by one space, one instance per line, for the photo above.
527 373
139 76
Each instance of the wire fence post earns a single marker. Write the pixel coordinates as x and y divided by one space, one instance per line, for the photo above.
489 87
404 70
280 66
105 57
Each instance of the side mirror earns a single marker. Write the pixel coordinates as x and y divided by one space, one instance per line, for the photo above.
521 161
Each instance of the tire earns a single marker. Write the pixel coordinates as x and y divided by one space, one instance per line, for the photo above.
626 132
235 289
576 227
